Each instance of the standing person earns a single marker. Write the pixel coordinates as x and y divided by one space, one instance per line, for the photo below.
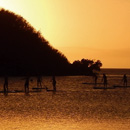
39 81
6 85
125 80
26 85
105 80
95 79
54 83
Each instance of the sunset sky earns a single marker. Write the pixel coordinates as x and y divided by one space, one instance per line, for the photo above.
91 29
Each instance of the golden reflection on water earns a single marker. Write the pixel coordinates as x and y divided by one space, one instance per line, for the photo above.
55 112
41 124
74 107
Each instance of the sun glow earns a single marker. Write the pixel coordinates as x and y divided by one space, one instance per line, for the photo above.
33 11
81 29
3 4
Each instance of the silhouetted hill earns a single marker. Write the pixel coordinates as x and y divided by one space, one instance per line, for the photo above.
24 51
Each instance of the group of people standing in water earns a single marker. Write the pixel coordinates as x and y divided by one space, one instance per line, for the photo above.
27 81
105 81
39 83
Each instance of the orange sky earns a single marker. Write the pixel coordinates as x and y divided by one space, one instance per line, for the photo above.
92 29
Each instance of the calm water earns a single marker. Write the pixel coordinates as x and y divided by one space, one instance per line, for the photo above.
75 106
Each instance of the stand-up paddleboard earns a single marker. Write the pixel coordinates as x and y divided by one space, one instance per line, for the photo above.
34 91
118 86
92 83
103 87
50 90
38 88
13 91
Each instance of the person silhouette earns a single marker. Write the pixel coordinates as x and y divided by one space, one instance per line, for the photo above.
54 83
95 79
6 84
125 80
26 85
39 81
105 80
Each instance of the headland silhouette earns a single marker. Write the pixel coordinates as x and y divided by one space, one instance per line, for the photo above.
23 50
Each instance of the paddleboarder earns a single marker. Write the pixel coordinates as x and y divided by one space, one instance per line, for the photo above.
105 80
6 85
39 81
26 85
125 80
54 83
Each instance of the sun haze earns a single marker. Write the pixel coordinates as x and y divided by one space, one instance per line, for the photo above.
81 29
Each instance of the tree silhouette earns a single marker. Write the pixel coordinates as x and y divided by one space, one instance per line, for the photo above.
24 50
85 67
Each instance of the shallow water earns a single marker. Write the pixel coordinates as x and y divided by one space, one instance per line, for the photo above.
75 106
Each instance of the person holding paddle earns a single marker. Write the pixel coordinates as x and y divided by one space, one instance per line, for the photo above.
105 80
54 83
125 80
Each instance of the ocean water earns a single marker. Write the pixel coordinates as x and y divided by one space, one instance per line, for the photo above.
74 106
